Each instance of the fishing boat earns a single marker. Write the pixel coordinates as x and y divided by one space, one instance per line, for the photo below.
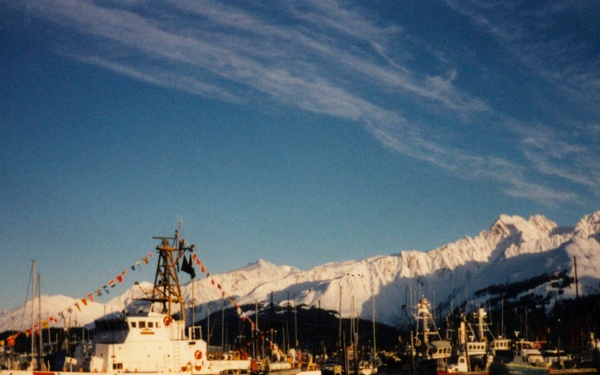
563 363
462 367
152 339
472 356
294 362
517 357
426 352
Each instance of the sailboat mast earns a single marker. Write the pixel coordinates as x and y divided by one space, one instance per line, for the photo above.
32 312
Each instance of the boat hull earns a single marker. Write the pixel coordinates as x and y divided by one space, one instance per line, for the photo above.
11 372
573 371
516 369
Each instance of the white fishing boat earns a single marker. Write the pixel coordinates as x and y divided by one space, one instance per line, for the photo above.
517 357
431 351
151 340
472 355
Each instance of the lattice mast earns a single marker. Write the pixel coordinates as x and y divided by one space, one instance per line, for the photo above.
167 290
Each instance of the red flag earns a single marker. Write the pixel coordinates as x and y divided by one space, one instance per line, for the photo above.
120 278
91 297
150 254
84 301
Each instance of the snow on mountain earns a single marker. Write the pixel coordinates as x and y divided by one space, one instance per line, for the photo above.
514 249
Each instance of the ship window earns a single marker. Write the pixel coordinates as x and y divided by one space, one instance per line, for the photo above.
142 324
150 324
117 366
133 324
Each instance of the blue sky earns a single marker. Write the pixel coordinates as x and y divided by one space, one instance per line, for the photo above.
299 132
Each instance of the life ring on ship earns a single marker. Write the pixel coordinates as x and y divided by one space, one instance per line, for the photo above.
198 354
167 320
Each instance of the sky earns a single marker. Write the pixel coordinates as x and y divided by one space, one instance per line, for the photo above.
298 132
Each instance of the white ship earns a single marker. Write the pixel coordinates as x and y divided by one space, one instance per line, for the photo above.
151 340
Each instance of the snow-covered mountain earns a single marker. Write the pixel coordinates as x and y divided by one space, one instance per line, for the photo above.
534 252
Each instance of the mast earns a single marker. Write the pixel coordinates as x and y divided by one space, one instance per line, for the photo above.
373 318
340 330
576 280
193 313
40 327
166 288
32 313
223 322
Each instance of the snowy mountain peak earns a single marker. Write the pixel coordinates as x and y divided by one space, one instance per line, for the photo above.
589 225
535 227
261 267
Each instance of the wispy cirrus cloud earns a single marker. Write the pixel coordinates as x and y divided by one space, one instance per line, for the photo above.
556 42
325 58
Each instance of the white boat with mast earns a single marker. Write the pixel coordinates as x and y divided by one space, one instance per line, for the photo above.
431 351
472 355
147 341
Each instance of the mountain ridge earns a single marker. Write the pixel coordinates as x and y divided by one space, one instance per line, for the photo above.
513 249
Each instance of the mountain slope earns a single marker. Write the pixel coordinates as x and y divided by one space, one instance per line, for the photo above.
513 250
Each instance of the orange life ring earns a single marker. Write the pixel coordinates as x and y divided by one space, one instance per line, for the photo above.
167 320
198 354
